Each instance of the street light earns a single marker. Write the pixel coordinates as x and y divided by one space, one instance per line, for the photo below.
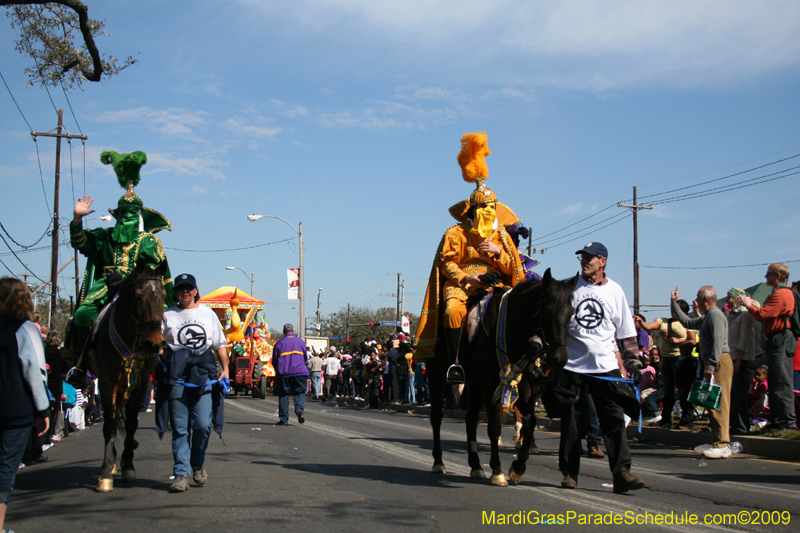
319 326
301 321
251 277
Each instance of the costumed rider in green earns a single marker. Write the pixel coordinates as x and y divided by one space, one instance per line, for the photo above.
112 253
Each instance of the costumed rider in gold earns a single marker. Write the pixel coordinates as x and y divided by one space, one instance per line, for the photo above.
473 256
112 253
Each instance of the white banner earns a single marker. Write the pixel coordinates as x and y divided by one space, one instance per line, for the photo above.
406 325
293 275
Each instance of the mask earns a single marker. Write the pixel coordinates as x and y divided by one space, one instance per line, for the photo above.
127 227
483 225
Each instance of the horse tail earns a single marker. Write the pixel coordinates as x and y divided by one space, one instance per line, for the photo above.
119 422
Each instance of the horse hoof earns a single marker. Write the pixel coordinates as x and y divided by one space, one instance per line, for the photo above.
115 470
513 476
534 450
129 475
438 469
477 473
499 480
518 445
105 485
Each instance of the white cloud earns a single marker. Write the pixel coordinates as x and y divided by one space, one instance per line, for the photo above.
171 122
575 43
238 126
198 166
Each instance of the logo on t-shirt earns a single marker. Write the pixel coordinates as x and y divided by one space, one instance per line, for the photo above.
193 336
589 314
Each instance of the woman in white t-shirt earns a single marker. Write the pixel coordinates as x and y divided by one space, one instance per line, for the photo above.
193 334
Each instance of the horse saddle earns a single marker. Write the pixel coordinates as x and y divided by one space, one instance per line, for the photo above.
476 313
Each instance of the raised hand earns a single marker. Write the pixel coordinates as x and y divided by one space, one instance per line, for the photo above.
82 207
674 296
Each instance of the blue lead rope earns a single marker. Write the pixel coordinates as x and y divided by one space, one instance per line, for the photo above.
635 388
225 384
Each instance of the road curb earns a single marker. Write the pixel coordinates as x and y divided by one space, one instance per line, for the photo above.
771 447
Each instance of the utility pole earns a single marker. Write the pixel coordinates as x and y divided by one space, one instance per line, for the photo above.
347 327
54 254
403 299
397 317
635 208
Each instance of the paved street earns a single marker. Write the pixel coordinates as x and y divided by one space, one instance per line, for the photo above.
348 469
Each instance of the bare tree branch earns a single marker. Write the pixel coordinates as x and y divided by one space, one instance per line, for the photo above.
92 68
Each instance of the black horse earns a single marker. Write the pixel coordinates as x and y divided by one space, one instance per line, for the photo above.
537 320
123 357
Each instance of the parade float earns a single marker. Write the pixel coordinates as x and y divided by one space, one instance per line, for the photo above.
249 345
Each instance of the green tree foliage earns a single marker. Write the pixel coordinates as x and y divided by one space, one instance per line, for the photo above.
63 312
48 31
336 324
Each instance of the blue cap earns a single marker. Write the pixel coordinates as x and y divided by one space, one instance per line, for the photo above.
184 279
594 248
288 327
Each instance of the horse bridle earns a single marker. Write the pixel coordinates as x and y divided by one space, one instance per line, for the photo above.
546 347
132 310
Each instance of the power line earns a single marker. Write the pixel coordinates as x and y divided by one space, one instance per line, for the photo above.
617 216
41 176
573 224
623 215
231 249
15 102
29 250
727 188
20 260
716 267
9 270
22 245
69 104
720 179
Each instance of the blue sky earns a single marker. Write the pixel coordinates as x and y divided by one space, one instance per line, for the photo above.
346 115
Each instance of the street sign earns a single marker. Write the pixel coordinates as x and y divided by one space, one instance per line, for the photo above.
390 323
336 337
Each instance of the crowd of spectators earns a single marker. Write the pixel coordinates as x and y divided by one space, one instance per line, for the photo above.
372 372
762 387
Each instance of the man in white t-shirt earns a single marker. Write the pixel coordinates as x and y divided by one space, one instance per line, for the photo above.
332 365
600 329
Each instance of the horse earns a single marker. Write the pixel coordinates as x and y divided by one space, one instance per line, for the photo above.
537 322
123 357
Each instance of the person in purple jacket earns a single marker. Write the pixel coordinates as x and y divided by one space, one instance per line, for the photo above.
291 374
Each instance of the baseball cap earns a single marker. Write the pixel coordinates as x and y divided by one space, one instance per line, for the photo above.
288 327
185 279
594 248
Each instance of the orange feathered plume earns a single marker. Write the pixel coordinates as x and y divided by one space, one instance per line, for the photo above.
472 158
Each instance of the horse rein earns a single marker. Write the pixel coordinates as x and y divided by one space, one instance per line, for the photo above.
132 313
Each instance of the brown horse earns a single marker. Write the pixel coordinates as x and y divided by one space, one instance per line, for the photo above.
536 325
123 358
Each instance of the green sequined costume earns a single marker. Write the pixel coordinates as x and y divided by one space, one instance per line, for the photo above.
103 254
131 240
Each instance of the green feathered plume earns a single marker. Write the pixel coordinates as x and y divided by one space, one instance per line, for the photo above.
126 166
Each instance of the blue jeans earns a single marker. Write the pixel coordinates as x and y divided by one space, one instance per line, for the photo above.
189 404
411 395
315 384
12 446
296 386
650 404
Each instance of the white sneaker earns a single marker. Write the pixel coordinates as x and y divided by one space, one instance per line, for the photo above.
652 420
718 453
